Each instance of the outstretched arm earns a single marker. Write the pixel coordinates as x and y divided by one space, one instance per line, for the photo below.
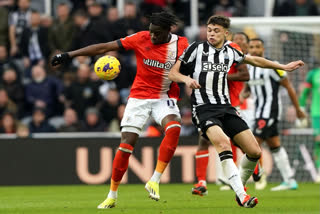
176 76
264 63
292 94
90 50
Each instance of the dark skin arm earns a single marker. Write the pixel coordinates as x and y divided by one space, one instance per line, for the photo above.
95 49
293 97
242 74
245 93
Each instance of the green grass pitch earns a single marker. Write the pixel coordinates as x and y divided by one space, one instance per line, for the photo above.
175 198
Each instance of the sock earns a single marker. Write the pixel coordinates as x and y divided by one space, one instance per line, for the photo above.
120 165
317 155
234 152
113 194
202 160
168 145
156 176
281 160
231 172
247 166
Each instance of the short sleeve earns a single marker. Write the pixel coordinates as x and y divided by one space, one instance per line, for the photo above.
189 54
130 42
188 59
278 74
238 55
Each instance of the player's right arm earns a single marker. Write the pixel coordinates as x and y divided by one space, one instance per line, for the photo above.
176 76
90 50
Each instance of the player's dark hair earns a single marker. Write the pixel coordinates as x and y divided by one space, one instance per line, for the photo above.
219 20
257 39
164 19
244 34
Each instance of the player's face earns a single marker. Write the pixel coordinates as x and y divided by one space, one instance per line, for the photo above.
216 35
256 48
158 34
241 40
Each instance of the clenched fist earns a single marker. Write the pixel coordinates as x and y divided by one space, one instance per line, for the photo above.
60 59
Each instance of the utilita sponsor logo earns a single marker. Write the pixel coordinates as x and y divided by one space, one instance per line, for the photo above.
157 64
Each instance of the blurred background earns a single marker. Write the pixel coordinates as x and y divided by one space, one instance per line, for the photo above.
41 102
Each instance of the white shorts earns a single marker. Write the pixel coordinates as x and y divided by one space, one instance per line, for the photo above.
138 111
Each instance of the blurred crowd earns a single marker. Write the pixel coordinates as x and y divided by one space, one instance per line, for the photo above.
35 98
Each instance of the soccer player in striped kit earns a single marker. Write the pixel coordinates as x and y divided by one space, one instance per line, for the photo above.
237 74
152 94
264 85
204 67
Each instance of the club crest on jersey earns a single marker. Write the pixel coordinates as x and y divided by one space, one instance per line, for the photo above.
157 64
214 67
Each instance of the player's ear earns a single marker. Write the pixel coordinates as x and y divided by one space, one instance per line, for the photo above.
226 33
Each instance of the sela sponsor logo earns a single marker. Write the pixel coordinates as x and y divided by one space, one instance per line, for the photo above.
214 67
157 64
256 82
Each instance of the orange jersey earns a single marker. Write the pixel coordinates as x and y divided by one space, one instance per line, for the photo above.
235 88
153 65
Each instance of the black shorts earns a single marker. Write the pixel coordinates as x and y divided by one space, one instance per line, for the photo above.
224 116
265 128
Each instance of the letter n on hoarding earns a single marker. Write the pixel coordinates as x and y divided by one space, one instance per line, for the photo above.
82 166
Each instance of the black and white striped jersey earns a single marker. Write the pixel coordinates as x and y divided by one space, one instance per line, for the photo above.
264 85
209 66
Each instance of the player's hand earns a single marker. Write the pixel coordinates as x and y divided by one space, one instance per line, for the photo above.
191 83
293 65
60 59
301 113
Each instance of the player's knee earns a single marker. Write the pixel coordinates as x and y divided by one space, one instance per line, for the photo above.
256 153
222 144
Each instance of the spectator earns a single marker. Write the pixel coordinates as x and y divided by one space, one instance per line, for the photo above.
71 123
62 30
23 131
82 93
8 123
18 21
115 123
110 22
95 11
87 33
4 31
6 104
130 23
92 121
39 123
43 91
14 88
34 43
110 104
187 127
77 61
297 8
225 8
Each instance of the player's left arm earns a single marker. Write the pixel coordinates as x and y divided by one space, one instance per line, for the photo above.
242 74
265 63
292 94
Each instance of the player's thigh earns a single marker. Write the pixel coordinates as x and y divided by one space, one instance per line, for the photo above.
163 107
248 143
135 115
273 142
219 139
